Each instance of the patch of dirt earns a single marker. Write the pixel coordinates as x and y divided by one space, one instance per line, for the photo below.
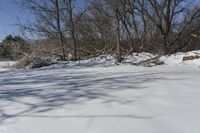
191 57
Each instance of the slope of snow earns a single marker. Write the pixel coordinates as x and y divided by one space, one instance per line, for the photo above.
171 60
109 99
4 65
108 60
177 59
137 57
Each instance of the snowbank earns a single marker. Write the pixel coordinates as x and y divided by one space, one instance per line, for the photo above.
5 65
134 59
172 60
177 59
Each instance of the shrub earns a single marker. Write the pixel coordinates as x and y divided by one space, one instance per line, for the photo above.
22 63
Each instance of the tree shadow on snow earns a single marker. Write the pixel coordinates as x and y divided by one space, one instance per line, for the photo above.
38 91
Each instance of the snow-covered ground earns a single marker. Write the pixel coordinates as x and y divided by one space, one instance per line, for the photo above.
101 99
5 65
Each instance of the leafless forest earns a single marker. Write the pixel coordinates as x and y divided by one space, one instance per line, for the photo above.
79 29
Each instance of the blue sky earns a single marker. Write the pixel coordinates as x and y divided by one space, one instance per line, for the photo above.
9 11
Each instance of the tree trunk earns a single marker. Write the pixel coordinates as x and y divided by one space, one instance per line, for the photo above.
118 42
60 31
144 27
72 26
165 48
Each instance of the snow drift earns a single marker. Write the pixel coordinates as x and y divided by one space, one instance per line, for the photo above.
138 59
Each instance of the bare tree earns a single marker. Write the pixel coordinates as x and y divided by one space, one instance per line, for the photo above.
56 2
70 9
48 22
114 26
118 34
163 14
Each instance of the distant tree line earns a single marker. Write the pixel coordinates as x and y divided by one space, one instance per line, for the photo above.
77 29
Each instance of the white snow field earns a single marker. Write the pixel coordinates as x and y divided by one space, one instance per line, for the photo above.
101 99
